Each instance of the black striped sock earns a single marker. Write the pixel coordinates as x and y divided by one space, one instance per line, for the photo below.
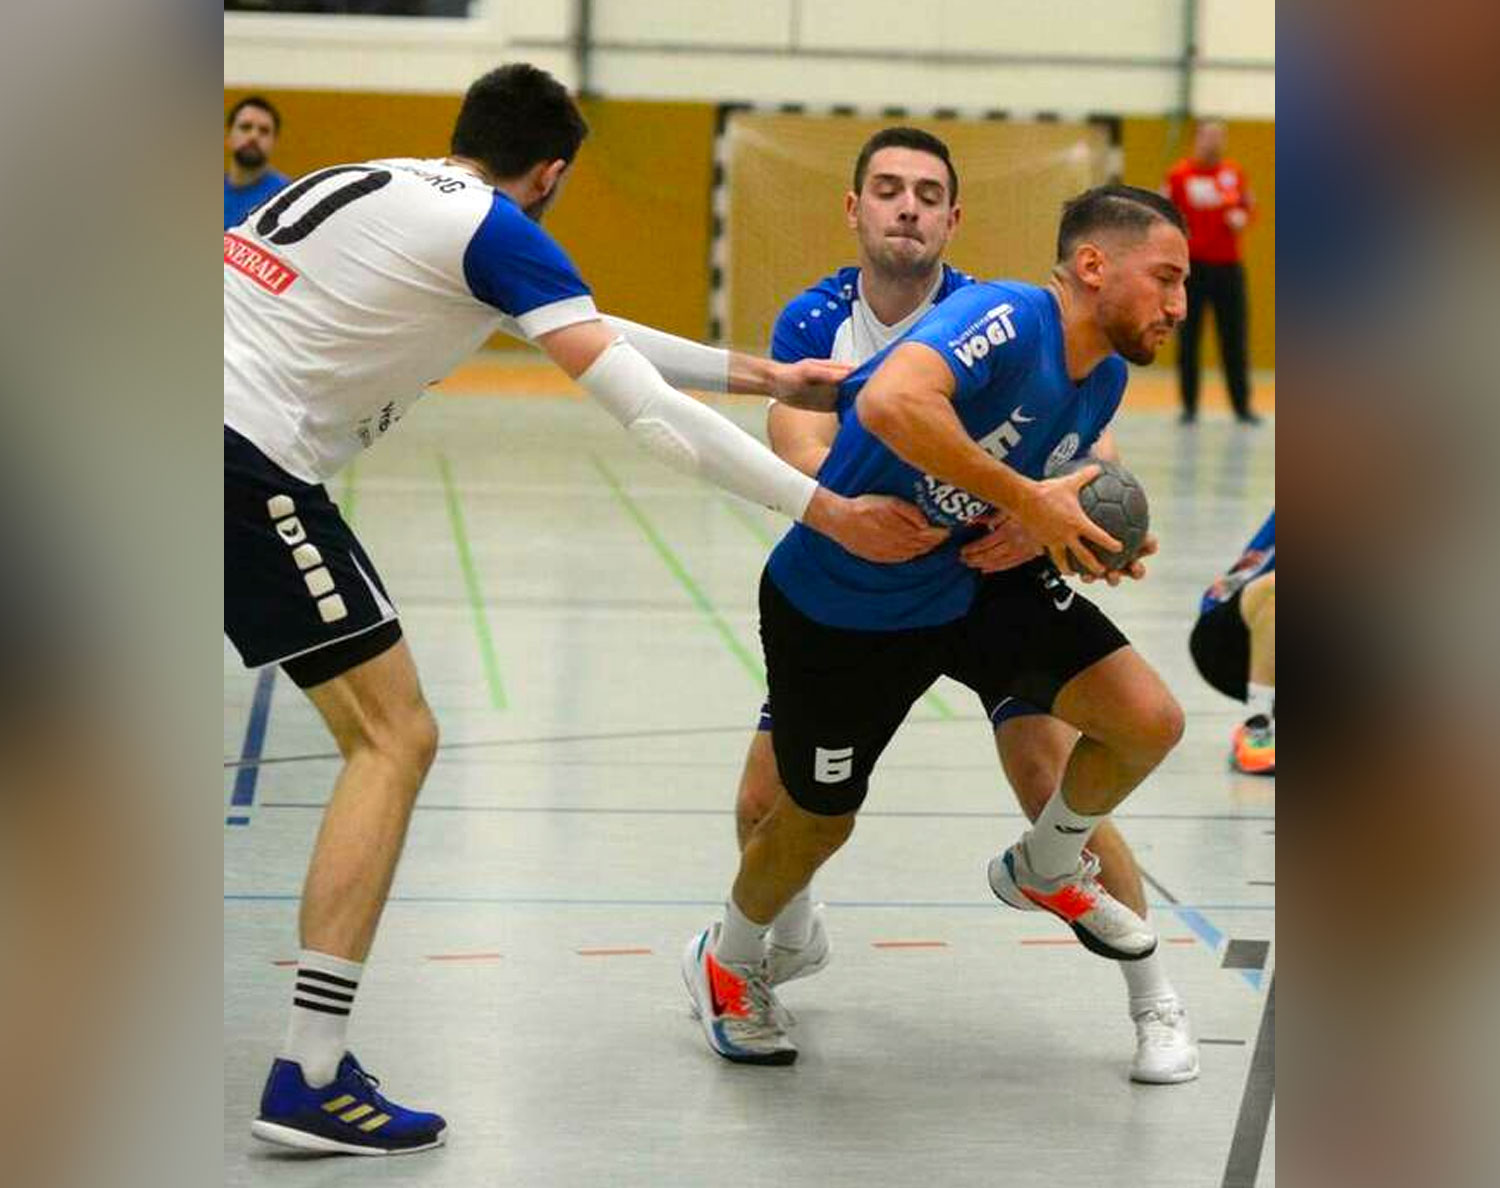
322 1000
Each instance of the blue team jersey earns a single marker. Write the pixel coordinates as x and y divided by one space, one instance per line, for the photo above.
1003 342
829 320
241 200
1258 557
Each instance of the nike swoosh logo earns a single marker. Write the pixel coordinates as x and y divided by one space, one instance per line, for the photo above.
1019 419
1070 829
1064 603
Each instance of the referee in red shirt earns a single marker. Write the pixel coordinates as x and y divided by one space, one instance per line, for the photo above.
1214 197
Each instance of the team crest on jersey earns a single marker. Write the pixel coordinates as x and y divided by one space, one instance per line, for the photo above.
1062 453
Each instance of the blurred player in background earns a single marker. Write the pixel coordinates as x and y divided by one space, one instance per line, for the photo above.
253 127
1214 196
903 209
1234 646
344 297
969 411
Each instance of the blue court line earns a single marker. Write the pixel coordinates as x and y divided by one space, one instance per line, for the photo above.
559 901
255 738
1204 930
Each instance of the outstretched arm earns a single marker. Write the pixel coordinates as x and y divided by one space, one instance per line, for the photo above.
810 383
694 439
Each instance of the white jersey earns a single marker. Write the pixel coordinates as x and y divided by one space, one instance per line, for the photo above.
357 287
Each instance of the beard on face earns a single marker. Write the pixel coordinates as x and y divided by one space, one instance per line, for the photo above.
1125 338
249 156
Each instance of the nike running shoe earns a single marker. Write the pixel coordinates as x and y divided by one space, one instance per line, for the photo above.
736 1005
785 965
1165 1053
346 1117
1101 922
1253 750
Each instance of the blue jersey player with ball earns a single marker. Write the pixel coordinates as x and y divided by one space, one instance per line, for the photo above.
965 417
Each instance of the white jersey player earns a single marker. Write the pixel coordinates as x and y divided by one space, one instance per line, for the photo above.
346 295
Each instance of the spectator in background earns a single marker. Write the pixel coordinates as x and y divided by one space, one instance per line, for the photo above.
253 127
1214 197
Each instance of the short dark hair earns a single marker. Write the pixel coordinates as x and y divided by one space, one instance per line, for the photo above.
909 138
1114 207
259 101
514 117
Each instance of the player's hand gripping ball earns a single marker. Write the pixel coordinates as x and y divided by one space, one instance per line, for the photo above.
1115 500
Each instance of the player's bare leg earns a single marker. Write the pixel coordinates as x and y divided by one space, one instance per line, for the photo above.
1254 746
798 941
1128 721
317 1097
388 738
1034 751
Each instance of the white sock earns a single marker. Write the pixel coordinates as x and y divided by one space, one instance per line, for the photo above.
1054 845
1260 699
316 1035
1147 982
741 940
792 928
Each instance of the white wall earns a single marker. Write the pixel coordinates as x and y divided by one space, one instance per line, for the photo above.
1020 55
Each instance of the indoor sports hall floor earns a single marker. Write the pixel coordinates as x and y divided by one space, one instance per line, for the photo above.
584 622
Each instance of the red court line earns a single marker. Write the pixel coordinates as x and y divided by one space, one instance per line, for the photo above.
292 962
614 952
464 956
908 944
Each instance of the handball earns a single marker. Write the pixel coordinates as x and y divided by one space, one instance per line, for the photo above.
1115 500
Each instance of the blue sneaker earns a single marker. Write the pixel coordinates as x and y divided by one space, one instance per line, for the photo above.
345 1117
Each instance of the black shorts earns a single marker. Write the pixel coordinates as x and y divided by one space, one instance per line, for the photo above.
838 695
299 589
1220 644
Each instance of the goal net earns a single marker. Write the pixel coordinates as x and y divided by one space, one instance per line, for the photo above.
786 176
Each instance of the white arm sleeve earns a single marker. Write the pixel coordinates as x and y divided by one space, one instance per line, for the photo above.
689 437
682 362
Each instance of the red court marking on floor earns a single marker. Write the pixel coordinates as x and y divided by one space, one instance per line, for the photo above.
908 944
614 952
464 956
292 962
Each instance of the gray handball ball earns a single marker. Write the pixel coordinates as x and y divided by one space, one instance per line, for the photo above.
1116 501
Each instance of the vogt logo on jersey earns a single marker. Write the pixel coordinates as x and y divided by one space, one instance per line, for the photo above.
979 338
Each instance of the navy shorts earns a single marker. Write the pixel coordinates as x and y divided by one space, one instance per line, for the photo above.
299 588
839 695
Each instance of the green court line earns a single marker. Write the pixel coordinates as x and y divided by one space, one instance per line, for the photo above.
758 530
679 571
736 508
471 583
941 707
347 498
